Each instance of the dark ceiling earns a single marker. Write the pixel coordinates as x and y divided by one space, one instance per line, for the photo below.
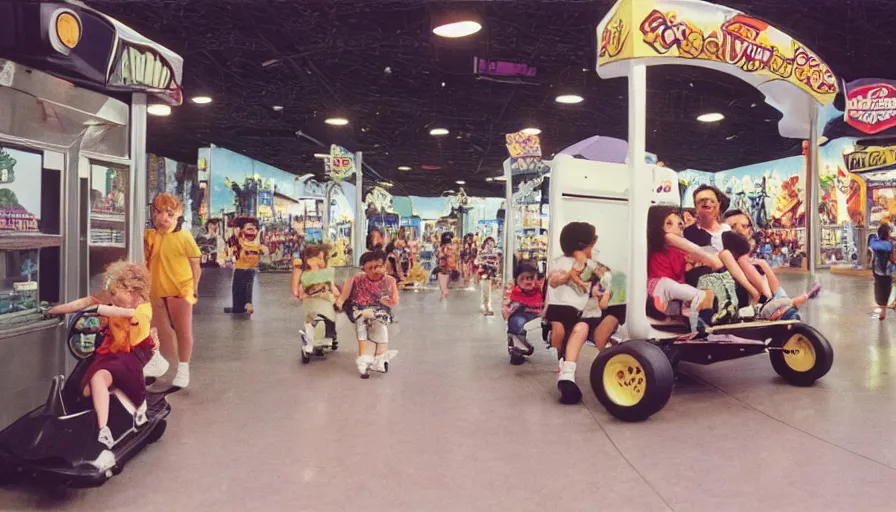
378 64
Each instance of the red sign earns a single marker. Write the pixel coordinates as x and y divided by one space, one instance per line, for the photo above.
871 108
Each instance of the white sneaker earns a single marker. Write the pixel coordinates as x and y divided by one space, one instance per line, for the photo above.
364 363
182 377
307 341
140 415
156 367
105 437
381 364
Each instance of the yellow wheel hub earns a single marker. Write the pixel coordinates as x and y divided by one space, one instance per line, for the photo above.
799 354
624 380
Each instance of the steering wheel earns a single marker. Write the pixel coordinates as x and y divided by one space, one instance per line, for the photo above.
84 334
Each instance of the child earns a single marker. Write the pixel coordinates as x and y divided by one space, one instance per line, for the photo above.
372 296
667 253
882 263
315 285
247 252
598 301
126 345
487 261
567 297
173 260
524 303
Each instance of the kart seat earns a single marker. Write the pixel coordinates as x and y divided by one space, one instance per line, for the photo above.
665 323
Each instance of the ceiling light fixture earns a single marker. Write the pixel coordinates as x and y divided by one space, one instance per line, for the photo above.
202 100
501 178
277 108
386 184
439 131
569 99
461 182
489 179
270 62
712 117
158 110
336 121
322 156
404 168
531 131
457 29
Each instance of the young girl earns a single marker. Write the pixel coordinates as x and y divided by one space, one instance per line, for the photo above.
488 260
468 256
315 285
126 346
882 266
667 253
447 269
172 258
372 295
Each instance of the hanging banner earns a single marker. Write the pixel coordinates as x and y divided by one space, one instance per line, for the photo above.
719 36
525 153
870 159
341 163
871 105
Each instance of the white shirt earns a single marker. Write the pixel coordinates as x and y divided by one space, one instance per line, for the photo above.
716 246
568 294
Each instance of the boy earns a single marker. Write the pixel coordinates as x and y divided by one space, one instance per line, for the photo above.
247 253
372 295
522 305
567 297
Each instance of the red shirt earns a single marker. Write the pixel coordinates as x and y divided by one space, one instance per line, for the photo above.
531 301
671 263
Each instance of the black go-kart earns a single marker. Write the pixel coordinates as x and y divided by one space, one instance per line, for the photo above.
57 444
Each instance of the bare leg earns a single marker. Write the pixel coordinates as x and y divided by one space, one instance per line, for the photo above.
557 335
443 283
162 323
754 277
99 392
604 330
576 341
381 349
362 347
182 317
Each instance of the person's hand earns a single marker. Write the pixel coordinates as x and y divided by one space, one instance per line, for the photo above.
387 301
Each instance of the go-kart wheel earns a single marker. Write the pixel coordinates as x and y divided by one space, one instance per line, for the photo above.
801 355
157 432
305 358
319 351
516 358
334 346
632 380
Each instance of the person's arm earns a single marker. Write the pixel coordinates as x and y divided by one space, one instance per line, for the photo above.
346 292
695 252
192 252
115 311
395 295
737 273
73 306
297 291
196 269
558 278
773 282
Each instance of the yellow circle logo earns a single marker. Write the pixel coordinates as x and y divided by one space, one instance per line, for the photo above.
68 29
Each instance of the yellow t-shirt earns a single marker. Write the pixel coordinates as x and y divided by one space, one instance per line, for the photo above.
249 254
168 255
129 332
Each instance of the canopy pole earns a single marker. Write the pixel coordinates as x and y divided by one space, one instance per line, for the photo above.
639 202
360 229
813 233
509 224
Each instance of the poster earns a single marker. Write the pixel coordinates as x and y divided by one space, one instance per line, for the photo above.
20 181
871 105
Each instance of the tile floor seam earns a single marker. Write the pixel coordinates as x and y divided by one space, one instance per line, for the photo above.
782 422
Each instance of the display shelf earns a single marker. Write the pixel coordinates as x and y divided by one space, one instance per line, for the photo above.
20 241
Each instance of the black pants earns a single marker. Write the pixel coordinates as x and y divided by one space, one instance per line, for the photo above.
243 280
882 285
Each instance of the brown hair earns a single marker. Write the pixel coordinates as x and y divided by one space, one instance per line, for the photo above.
129 276
312 251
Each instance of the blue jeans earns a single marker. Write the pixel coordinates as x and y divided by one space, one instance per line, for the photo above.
518 320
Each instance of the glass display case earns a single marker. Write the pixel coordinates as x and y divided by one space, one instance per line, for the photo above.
19 288
108 206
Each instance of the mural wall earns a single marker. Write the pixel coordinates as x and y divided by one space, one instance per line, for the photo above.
180 179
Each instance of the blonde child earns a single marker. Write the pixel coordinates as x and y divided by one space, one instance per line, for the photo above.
314 284
126 345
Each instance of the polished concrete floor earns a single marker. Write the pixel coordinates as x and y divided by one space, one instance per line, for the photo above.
453 427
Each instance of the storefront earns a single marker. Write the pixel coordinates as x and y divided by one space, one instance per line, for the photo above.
73 97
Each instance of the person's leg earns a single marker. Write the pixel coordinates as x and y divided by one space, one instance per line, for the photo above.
486 286
604 330
566 381
516 331
738 274
811 294
754 276
516 322
443 283
558 333
364 360
237 287
99 386
182 316
379 333
161 321
248 286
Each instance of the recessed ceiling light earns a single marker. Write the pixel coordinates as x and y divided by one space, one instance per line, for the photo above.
322 156
457 29
386 184
202 100
489 179
712 117
570 99
337 121
404 168
277 108
461 182
501 178
158 110
439 131
531 131
270 62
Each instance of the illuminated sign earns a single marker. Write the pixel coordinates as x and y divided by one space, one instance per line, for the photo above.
871 107
870 159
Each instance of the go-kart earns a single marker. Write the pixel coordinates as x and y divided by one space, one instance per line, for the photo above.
518 346
634 379
57 444
324 338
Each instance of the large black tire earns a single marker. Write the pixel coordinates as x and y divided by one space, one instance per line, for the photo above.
632 380
801 355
